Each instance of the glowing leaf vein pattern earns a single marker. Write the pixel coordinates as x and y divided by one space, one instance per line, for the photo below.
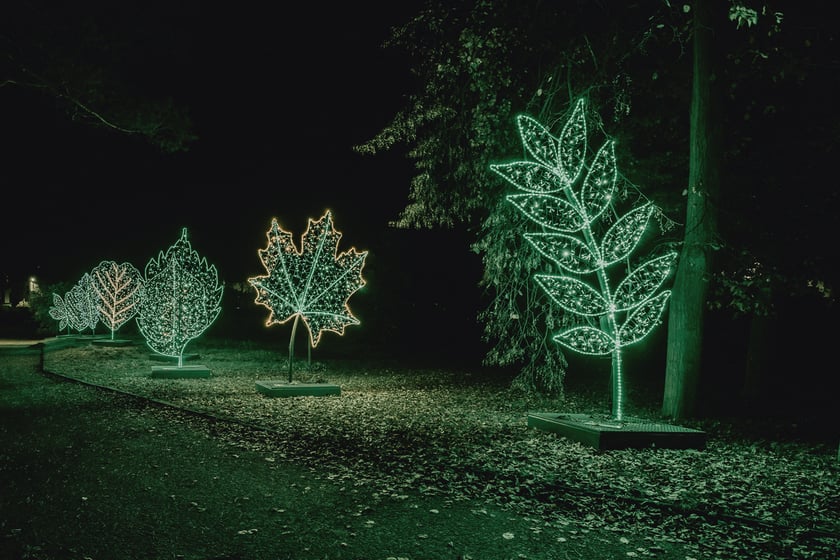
181 299
314 284
118 289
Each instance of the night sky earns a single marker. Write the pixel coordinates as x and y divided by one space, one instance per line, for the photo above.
277 101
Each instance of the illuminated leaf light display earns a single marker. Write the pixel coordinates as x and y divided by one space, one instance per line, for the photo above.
118 289
61 313
77 310
583 236
181 299
314 283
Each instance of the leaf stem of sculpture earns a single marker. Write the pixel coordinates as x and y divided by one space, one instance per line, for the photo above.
292 345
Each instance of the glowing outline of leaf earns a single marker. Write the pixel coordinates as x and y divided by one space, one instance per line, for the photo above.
543 246
187 259
109 280
589 205
572 154
80 305
540 204
350 262
529 175
574 302
655 278
540 143
623 245
58 311
569 337
647 314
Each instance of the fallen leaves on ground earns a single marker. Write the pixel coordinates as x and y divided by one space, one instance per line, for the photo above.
459 435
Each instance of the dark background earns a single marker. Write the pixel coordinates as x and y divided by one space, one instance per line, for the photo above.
277 101
278 98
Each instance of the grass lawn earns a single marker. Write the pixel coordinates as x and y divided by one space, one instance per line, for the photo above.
412 463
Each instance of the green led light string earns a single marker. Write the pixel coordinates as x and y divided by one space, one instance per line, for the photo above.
566 208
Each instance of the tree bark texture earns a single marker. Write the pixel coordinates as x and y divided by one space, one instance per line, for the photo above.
683 364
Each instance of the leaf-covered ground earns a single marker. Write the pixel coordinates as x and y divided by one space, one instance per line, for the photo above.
463 435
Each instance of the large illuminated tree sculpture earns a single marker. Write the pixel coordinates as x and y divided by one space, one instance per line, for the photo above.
574 210
181 298
118 289
314 283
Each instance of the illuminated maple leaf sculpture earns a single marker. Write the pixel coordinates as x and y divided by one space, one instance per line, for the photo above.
582 234
118 289
314 283
181 299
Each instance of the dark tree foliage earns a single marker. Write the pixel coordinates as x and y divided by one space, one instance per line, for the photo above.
95 61
479 63
776 234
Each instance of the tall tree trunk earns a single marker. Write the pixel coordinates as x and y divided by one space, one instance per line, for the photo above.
688 300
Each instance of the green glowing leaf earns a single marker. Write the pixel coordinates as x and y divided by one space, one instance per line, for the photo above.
586 340
560 162
643 320
563 155
599 185
539 142
573 144
80 305
118 289
549 211
624 234
640 284
181 299
530 176
569 252
60 312
572 294
314 283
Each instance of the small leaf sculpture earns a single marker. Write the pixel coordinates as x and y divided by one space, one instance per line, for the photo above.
181 299
576 241
119 289
60 313
314 283
80 306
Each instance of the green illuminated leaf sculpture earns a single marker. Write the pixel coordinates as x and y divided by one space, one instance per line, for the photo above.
60 312
313 284
570 202
181 298
118 289
79 306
